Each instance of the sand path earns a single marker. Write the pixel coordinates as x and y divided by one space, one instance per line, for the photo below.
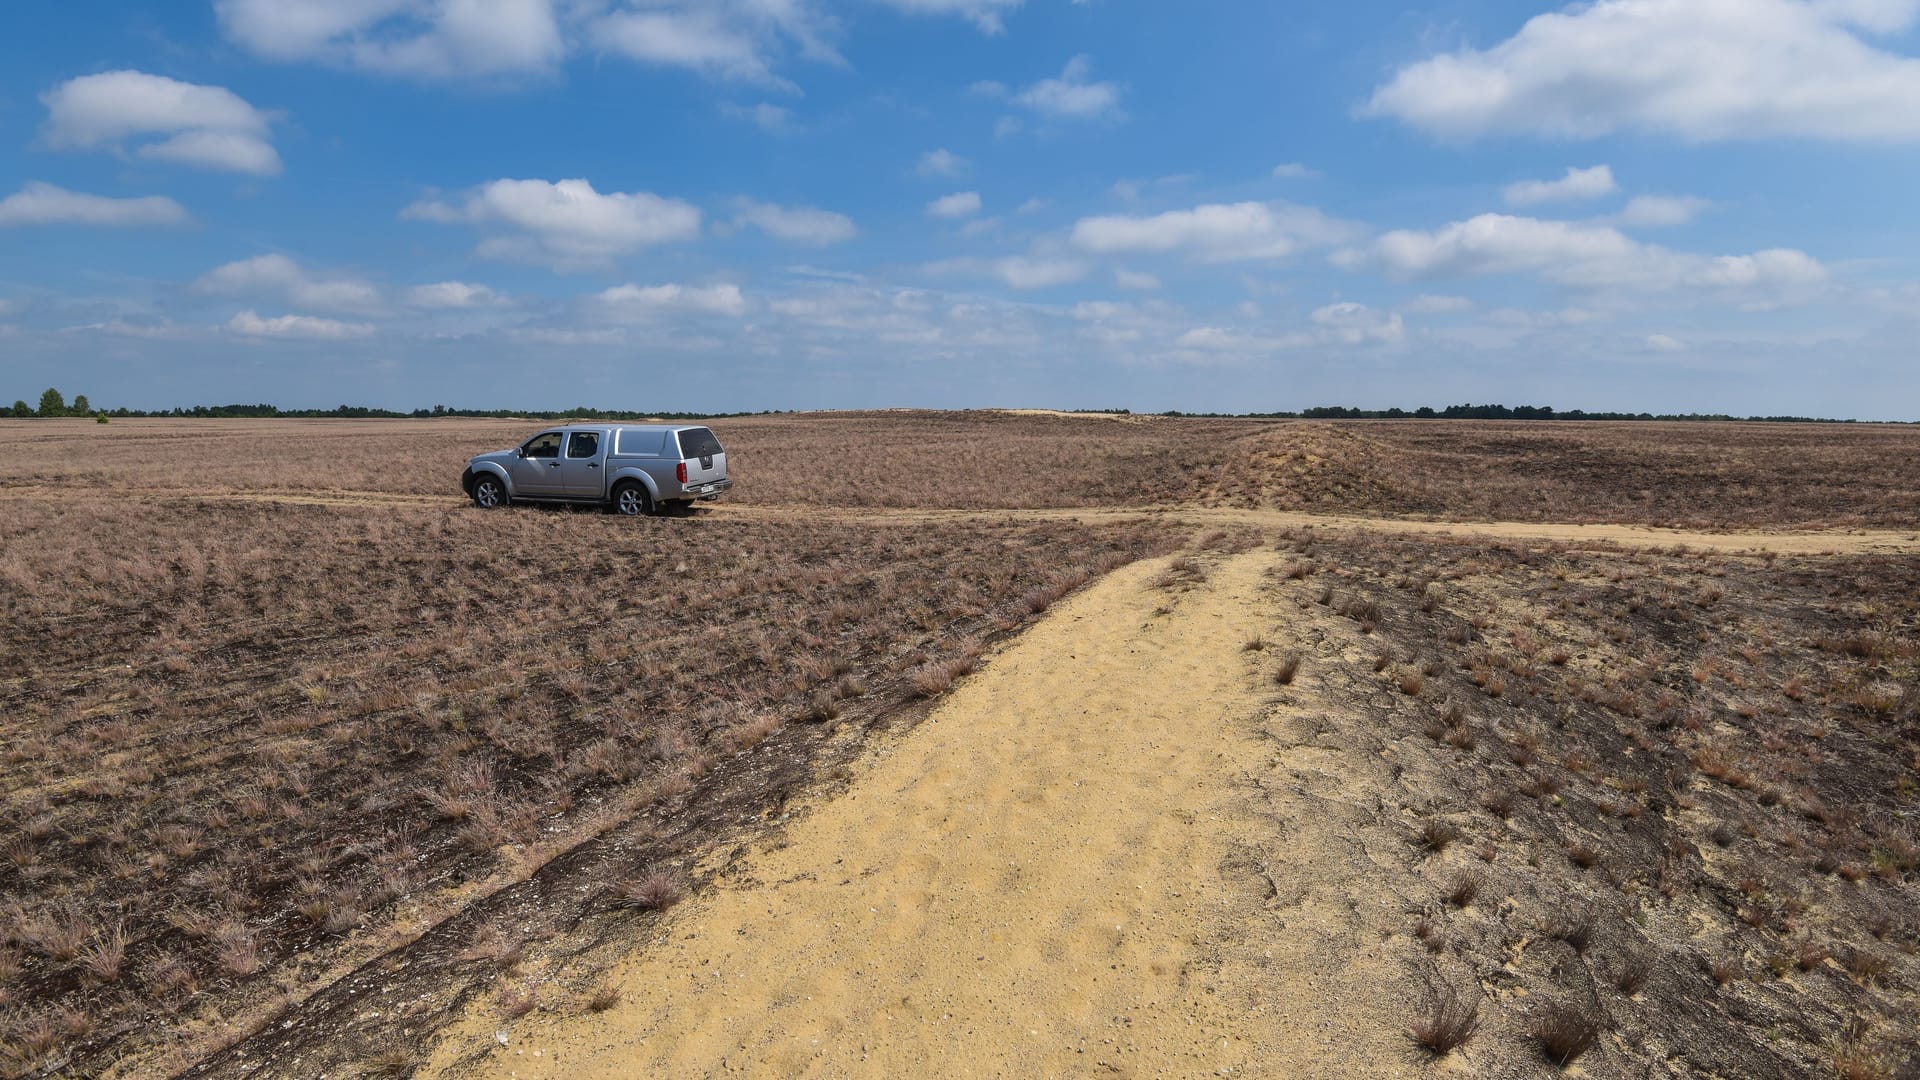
1048 877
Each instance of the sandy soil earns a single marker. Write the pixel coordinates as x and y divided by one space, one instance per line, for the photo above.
1067 870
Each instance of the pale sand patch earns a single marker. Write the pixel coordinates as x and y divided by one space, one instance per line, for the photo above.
1066 870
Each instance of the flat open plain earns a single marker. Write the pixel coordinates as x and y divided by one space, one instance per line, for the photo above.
979 744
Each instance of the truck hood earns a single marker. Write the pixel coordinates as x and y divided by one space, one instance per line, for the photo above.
499 457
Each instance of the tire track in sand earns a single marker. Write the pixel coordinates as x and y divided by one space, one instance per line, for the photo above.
1039 880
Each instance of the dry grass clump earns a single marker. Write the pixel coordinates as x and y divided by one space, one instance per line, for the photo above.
653 891
1564 1032
1446 1021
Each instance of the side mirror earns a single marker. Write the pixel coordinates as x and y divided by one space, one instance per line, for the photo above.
520 450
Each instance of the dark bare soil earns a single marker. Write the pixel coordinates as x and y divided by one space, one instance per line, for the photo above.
1674 797
247 745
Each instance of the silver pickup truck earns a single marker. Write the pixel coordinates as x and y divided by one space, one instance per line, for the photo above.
628 468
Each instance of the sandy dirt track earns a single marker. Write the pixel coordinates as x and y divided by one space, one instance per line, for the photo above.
1050 876
1779 542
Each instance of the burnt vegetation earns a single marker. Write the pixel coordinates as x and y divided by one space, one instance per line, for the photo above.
249 747
1689 780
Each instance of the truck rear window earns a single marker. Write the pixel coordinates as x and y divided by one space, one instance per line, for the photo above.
698 442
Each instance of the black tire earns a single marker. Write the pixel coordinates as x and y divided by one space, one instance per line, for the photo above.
488 492
630 499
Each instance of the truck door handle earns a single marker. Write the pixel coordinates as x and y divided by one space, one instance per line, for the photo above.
554 465
593 464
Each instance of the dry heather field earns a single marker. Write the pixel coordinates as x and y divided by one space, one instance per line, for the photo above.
299 753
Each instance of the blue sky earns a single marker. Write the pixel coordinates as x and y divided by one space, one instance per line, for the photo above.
1671 205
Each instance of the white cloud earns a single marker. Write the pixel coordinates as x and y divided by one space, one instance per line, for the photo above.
1357 324
738 40
1436 305
209 126
539 335
1038 272
641 302
157 330
565 223
1663 343
1577 184
1594 256
1653 211
797 224
984 14
1214 339
1293 170
45 204
1134 279
445 39
941 163
453 295
1699 69
766 117
958 204
1214 232
1072 96
279 276
249 324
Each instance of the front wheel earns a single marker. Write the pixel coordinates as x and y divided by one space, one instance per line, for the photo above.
489 493
631 500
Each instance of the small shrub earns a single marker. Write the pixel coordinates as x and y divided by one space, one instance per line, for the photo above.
1286 669
604 997
1435 835
1463 888
1564 1032
1576 927
1631 972
656 891
1446 1021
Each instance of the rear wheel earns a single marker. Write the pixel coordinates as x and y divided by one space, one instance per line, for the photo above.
489 493
631 500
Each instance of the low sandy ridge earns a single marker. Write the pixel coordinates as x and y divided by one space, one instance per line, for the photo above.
1066 870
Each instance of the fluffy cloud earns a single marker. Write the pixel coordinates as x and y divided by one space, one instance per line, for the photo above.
1577 184
797 224
1213 232
565 223
984 14
773 118
958 204
1663 343
641 302
1437 305
1699 69
1587 255
206 126
737 40
1653 211
280 276
1134 279
1293 170
1072 96
1038 272
249 324
941 163
453 295
1358 324
440 40
45 204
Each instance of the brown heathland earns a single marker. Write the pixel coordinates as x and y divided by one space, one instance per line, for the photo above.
302 748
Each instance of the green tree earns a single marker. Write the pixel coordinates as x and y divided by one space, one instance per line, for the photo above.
81 406
52 404
21 408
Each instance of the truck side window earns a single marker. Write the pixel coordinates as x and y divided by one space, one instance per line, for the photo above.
544 446
582 444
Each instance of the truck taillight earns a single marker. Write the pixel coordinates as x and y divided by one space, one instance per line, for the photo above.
680 471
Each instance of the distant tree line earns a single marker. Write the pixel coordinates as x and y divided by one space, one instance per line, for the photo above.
53 404
1503 412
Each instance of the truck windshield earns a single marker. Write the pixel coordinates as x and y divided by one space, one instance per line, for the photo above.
698 442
